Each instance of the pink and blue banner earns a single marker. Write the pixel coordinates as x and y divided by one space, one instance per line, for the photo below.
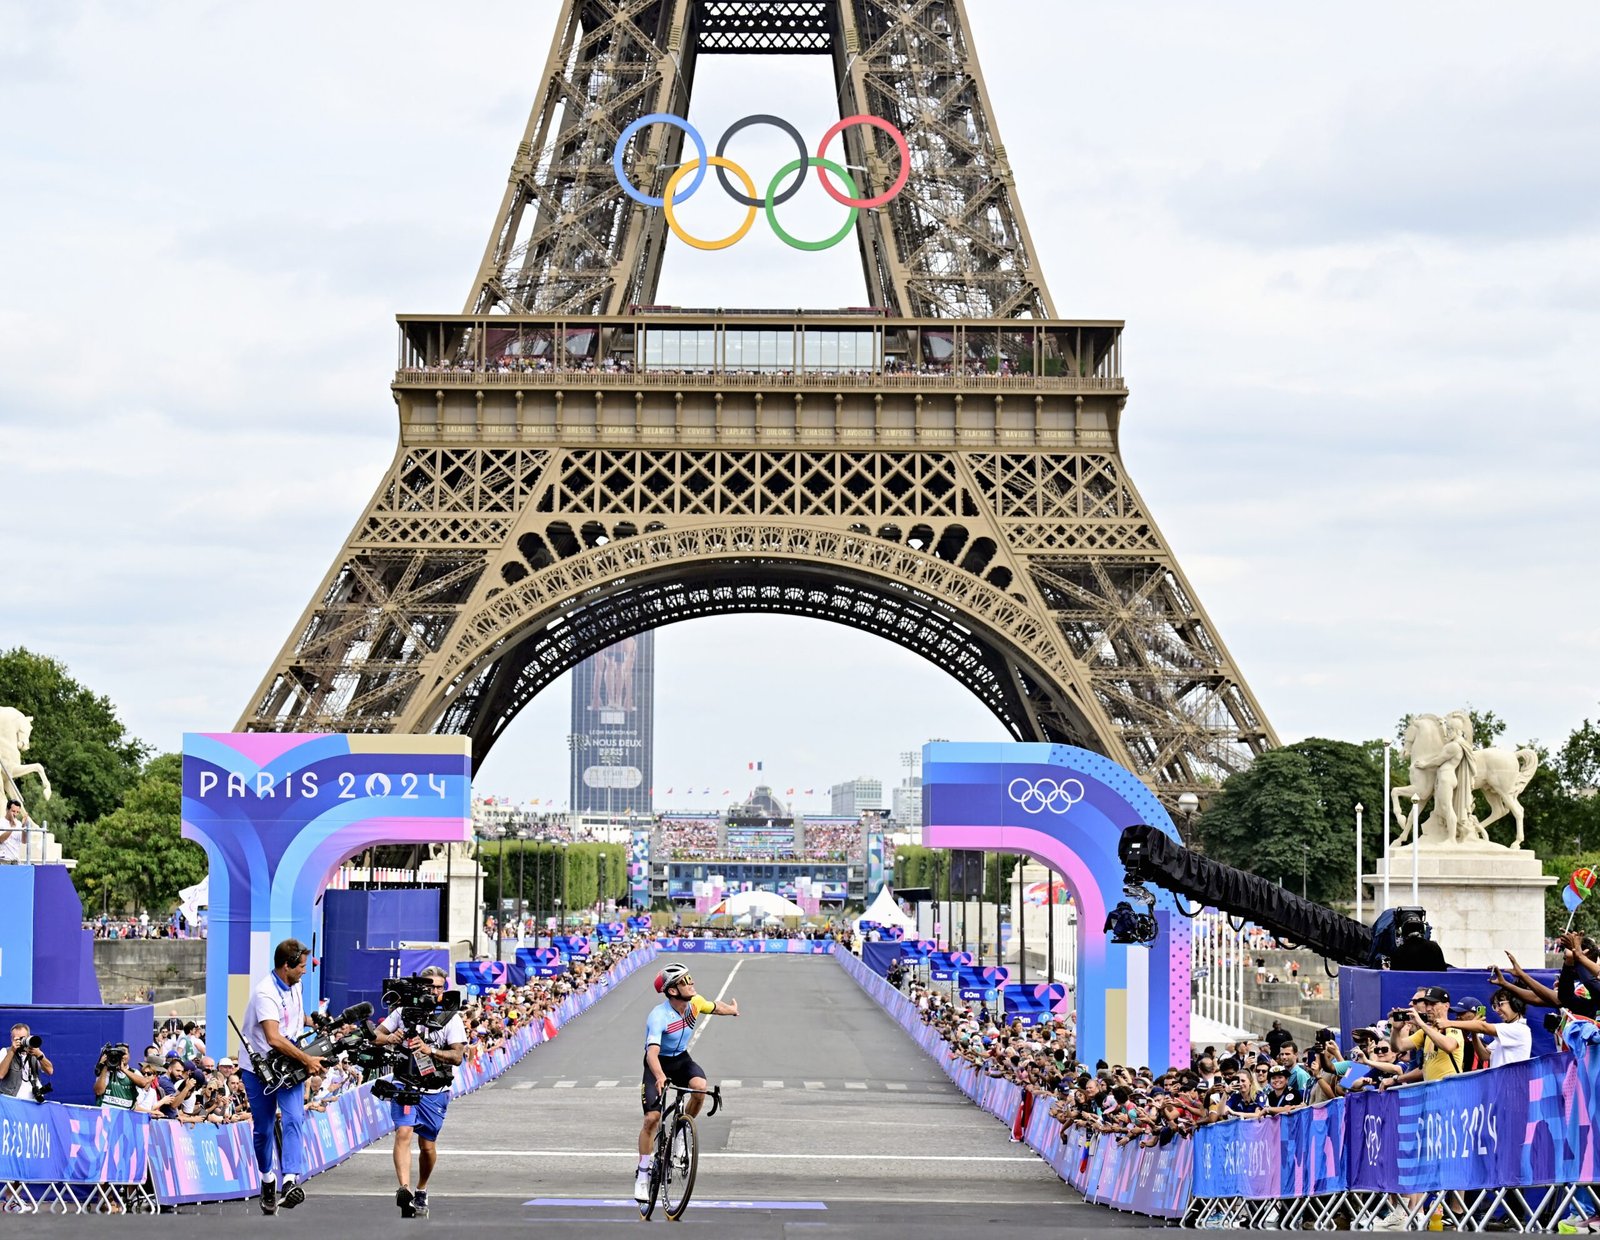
782 947
278 813
1067 807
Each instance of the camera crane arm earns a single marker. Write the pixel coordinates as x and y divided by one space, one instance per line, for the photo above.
1150 855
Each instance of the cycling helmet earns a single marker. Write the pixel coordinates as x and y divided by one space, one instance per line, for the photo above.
671 975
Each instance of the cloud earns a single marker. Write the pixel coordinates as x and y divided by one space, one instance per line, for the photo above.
1435 156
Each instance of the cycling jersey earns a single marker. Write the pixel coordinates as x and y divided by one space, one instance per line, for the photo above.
670 1030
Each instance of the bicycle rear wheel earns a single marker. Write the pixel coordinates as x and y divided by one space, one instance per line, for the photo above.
683 1158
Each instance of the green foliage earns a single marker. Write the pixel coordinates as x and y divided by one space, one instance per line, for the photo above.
135 858
1293 812
915 866
551 872
88 754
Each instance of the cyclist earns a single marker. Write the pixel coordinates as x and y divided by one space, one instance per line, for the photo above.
667 1033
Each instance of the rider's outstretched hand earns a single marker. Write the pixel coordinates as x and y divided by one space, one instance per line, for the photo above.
733 1007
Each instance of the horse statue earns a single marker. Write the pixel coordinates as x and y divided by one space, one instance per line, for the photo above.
1447 768
16 731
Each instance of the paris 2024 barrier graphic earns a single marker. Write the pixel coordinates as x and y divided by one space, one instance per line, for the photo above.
278 813
1067 807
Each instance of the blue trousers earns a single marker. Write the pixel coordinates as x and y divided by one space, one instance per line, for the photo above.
290 1102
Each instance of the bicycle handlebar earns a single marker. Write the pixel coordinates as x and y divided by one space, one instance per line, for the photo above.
714 1093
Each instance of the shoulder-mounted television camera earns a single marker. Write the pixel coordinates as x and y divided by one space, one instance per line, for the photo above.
422 1014
329 1037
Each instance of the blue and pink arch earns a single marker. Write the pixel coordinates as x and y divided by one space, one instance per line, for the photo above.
1067 808
278 813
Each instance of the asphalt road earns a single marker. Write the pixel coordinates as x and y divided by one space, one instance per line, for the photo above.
832 1119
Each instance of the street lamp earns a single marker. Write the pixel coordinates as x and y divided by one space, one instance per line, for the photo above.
519 833
1305 862
600 902
538 892
500 899
562 904
1188 803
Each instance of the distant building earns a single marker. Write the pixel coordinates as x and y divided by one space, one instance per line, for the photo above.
856 797
908 807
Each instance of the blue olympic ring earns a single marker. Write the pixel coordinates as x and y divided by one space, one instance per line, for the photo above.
664 118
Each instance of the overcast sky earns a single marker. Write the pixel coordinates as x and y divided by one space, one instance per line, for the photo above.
1357 248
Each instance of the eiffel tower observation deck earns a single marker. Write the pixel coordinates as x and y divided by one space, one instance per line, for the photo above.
578 463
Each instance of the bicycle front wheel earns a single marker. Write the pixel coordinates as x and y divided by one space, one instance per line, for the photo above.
683 1158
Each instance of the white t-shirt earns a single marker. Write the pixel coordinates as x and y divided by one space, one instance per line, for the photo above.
272 1000
1513 1042
13 848
452 1032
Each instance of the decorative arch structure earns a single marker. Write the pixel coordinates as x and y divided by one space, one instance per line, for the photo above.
1068 807
279 814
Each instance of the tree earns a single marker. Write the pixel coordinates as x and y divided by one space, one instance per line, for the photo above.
91 759
1292 812
135 856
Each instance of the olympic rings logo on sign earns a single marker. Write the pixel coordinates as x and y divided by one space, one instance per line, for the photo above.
1058 798
674 197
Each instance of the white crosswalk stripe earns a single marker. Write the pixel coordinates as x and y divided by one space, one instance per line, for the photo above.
566 1084
815 1085
732 1084
895 1085
606 1084
523 1085
855 1084
771 1084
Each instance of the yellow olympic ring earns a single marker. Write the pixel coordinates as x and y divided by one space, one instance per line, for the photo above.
733 238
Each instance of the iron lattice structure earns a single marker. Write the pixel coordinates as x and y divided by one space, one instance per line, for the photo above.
952 244
944 473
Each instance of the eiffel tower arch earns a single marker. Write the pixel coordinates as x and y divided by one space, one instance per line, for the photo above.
576 464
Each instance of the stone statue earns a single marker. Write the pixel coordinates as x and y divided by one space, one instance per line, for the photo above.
16 730
1448 767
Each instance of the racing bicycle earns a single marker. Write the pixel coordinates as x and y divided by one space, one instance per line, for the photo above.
677 1152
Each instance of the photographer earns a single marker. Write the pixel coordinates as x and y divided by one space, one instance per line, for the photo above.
1510 1038
24 1066
115 1083
444 1045
1423 1029
274 1018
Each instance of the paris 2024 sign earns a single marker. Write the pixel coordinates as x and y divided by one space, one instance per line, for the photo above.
1067 808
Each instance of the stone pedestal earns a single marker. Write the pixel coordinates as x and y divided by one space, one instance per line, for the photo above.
463 879
1482 901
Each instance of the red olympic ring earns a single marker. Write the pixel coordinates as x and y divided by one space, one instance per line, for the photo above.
899 182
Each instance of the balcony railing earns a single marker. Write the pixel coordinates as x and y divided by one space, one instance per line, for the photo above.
442 377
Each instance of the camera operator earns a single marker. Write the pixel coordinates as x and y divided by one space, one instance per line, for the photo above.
115 1083
24 1066
445 1045
273 1019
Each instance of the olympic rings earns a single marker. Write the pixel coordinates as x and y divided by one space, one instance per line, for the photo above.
674 197
664 118
876 122
799 145
1058 798
669 198
772 203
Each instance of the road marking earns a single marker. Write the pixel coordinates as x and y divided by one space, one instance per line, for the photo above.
616 1203
771 1084
695 1037
566 1084
815 1085
894 1085
728 1154
732 1084
606 1084
523 1085
855 1084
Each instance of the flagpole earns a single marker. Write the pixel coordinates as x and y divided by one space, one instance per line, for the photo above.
1384 818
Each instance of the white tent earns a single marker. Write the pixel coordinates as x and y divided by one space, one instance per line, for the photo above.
759 904
885 911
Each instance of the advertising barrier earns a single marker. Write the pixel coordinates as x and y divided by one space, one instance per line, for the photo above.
56 1143
782 947
1527 1125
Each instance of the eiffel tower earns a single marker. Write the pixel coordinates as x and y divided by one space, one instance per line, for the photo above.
577 464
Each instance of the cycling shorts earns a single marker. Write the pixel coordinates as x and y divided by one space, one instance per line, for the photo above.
680 1070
